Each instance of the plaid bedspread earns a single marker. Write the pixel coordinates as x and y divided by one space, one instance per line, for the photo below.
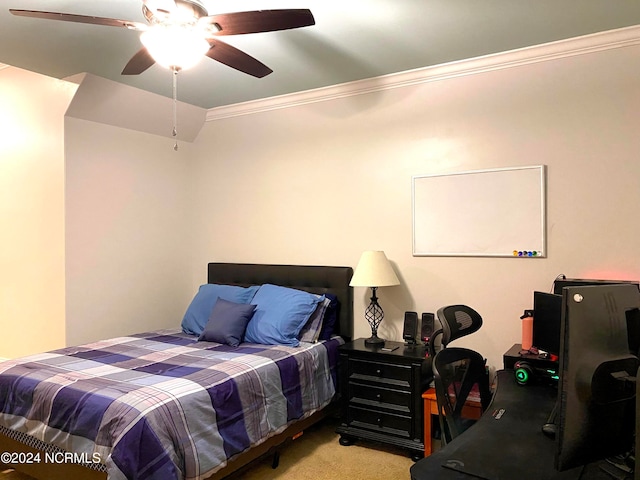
162 406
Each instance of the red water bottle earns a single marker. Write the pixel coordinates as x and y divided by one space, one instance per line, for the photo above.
527 329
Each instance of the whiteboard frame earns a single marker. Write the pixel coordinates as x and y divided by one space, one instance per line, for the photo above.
524 203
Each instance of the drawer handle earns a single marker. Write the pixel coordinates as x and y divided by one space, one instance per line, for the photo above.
379 397
379 372
379 422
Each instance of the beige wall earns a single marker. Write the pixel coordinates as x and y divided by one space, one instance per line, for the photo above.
32 282
127 236
127 212
93 216
320 183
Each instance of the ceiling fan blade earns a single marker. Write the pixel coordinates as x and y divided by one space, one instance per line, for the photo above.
70 17
260 21
139 62
234 58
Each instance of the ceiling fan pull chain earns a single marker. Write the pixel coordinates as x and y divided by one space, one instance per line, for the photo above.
175 107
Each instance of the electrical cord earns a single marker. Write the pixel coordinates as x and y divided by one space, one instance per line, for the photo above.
562 276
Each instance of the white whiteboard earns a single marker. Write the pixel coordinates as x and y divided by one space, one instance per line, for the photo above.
499 212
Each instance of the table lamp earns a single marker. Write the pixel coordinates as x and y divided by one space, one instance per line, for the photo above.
374 270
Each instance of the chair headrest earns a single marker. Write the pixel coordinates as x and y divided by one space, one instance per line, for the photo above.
458 321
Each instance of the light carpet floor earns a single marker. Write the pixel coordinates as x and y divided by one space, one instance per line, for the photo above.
317 455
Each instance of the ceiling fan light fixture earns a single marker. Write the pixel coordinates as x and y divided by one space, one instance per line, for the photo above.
174 46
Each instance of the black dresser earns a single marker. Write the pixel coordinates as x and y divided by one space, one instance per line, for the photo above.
381 394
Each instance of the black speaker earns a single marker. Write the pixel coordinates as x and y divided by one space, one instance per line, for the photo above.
428 325
527 373
410 329
524 372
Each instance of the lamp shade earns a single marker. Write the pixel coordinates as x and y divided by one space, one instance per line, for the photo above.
374 270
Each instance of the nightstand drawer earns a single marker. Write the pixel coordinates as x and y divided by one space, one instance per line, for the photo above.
389 423
377 397
364 370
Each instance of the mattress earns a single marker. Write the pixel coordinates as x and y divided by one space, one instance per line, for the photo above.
160 405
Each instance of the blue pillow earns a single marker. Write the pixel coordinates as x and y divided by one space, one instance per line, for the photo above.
227 322
280 314
198 312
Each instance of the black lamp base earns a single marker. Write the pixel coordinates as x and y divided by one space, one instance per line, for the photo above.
374 341
374 316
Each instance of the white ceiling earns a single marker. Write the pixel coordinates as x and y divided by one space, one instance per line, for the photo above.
352 40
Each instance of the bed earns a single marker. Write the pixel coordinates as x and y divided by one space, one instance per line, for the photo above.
52 452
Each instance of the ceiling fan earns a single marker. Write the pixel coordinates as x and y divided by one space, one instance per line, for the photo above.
179 32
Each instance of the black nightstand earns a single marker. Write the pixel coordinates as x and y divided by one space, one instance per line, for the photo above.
381 394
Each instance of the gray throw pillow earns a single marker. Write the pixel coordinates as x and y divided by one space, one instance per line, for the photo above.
227 322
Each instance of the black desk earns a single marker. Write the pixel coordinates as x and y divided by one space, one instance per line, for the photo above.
506 443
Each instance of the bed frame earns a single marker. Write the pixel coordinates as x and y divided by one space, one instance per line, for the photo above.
315 279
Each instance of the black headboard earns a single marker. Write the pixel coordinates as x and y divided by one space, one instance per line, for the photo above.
312 278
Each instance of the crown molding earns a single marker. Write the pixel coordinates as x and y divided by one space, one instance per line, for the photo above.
597 42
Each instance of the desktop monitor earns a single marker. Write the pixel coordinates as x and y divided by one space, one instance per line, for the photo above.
596 392
547 312
560 283
633 318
